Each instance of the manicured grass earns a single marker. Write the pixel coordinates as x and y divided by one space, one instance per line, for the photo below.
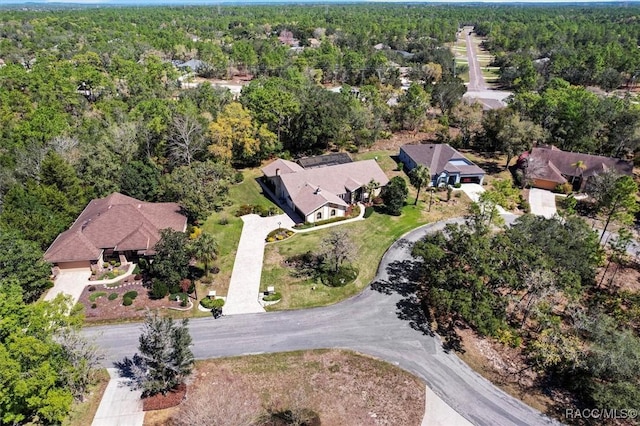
82 413
228 235
387 160
372 237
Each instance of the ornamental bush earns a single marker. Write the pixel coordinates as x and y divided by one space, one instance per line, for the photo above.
113 296
130 295
127 301
158 289
272 297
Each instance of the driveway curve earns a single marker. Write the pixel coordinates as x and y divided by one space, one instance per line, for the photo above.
384 321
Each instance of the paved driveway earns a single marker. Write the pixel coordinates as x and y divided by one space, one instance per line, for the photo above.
70 282
120 406
542 202
384 320
474 190
244 287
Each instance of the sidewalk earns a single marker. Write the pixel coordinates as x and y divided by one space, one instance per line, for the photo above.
120 406
244 288
438 413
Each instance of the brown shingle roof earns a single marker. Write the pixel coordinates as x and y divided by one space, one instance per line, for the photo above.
438 157
119 222
563 163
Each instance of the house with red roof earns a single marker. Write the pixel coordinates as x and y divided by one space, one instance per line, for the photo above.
326 187
115 227
549 167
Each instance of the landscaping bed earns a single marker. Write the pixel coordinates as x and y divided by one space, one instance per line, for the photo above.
110 308
160 401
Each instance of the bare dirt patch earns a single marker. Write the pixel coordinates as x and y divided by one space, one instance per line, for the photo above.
506 368
111 310
342 387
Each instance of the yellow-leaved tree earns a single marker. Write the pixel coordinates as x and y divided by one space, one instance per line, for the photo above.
238 138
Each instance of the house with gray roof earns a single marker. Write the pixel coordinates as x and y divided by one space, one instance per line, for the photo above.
114 227
446 164
320 193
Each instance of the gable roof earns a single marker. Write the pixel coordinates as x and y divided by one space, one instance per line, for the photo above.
438 157
281 167
116 222
556 164
302 185
311 197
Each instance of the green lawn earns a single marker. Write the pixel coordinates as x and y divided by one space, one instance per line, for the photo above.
228 236
372 236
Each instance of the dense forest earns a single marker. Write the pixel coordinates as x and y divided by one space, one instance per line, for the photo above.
100 100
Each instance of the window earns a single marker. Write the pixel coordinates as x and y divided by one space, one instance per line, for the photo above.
319 215
333 212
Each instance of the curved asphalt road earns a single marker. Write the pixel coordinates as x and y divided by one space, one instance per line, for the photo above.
382 321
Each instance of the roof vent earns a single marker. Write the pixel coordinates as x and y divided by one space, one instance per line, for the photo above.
139 205
317 191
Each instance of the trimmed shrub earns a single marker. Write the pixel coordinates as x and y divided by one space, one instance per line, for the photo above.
130 295
91 288
212 303
223 221
127 302
458 194
344 276
136 270
272 297
158 289
93 306
207 303
96 295
457 185
238 177
218 303
565 188
113 296
352 148
214 270
368 212
137 277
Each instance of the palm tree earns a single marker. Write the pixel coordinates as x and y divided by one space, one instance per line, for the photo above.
205 249
419 176
580 168
370 188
